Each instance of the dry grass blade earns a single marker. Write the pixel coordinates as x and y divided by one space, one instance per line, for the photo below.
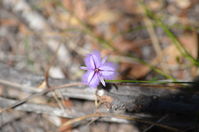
75 120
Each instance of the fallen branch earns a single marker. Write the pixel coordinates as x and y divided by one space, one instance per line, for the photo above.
78 116
45 109
128 98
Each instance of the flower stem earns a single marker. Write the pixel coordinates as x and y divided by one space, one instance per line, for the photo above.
152 81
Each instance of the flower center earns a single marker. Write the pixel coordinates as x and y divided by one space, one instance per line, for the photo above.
97 69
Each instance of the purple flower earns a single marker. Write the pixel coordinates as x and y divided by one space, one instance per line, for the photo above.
97 70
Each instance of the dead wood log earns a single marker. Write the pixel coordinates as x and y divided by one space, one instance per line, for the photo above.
126 98
72 113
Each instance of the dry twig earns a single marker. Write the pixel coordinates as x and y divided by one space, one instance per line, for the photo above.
38 94
126 117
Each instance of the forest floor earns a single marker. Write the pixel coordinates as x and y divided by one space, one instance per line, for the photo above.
149 40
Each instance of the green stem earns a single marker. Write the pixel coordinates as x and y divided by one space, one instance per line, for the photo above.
177 43
171 35
143 81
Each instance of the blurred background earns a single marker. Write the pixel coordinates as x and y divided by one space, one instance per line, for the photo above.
148 39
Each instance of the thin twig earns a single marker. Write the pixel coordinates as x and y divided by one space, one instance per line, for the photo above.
75 120
161 119
55 94
19 86
73 92
39 94
50 65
